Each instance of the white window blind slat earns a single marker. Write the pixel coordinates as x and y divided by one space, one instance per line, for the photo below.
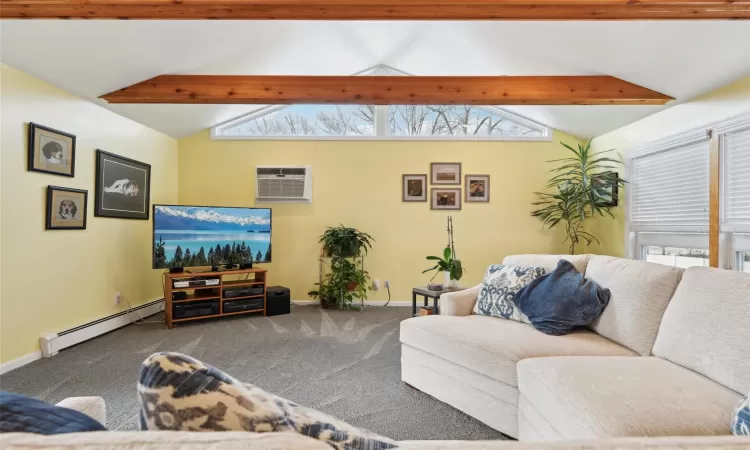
736 174
670 188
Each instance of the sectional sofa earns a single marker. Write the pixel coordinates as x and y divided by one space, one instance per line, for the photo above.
669 356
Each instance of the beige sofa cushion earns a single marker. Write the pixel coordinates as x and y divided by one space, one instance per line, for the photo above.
162 440
588 398
167 440
549 262
664 443
706 327
640 294
493 346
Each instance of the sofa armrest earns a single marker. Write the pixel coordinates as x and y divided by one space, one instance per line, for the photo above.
93 407
459 303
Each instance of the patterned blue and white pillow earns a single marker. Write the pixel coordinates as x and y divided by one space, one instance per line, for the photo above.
492 268
179 393
741 420
500 286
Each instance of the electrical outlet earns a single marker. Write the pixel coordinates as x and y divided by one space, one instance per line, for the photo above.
387 284
117 298
375 285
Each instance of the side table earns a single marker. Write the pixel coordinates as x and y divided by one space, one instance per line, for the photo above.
428 294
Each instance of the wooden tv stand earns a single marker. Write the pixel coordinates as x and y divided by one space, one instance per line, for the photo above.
240 278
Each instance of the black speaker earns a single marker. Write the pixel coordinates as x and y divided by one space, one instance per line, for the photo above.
278 300
179 295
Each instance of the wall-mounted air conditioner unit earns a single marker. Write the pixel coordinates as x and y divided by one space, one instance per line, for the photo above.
283 184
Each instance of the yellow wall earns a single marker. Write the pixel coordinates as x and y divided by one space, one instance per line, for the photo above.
52 280
726 102
358 184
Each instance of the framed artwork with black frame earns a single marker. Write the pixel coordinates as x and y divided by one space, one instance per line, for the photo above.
51 151
123 187
608 180
66 208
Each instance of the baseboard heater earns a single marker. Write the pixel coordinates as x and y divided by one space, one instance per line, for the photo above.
52 343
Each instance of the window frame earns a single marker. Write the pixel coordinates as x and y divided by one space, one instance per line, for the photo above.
733 239
381 123
381 129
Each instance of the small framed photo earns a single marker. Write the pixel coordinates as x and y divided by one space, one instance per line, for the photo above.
123 187
445 198
66 208
478 188
445 173
608 182
51 151
414 188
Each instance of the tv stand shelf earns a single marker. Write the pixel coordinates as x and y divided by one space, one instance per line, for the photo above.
253 278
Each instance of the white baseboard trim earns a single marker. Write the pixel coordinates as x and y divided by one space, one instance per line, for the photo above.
19 362
52 343
401 303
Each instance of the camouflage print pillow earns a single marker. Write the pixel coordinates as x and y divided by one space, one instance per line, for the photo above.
177 392
499 288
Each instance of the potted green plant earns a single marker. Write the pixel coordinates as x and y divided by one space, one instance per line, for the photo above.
345 283
347 280
582 188
448 264
345 242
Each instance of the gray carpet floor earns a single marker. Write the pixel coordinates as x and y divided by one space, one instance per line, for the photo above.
344 363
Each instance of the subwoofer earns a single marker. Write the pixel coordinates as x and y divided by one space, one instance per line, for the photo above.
278 300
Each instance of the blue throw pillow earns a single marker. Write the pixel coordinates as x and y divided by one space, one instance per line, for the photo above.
562 300
21 414
741 420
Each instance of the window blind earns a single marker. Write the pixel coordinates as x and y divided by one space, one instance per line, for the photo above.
670 189
736 178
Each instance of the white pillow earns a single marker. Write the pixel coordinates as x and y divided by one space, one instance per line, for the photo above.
499 288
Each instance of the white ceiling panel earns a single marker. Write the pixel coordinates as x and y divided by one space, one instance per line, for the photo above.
91 58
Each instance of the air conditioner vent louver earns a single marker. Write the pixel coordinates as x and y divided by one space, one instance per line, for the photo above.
284 184
269 171
293 171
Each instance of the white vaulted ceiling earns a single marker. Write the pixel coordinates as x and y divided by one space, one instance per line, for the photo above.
91 58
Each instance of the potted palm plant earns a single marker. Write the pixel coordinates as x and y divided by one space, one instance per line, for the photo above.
448 264
582 188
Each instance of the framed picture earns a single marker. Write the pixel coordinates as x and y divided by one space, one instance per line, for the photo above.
51 151
66 208
445 198
123 187
445 173
414 188
478 188
608 180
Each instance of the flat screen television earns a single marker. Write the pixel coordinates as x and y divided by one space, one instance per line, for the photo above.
195 236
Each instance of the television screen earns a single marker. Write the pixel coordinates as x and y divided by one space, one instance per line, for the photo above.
191 236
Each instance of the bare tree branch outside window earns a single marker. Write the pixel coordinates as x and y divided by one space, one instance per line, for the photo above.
403 120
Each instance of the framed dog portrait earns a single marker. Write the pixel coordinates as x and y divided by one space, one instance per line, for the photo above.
66 208
414 188
478 188
445 173
123 187
51 151
445 198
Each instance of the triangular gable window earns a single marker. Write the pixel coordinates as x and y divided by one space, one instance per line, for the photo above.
464 122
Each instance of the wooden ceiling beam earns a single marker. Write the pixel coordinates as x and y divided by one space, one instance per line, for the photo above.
383 90
378 9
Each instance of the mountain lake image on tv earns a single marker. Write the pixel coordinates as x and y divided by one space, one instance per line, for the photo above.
192 236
